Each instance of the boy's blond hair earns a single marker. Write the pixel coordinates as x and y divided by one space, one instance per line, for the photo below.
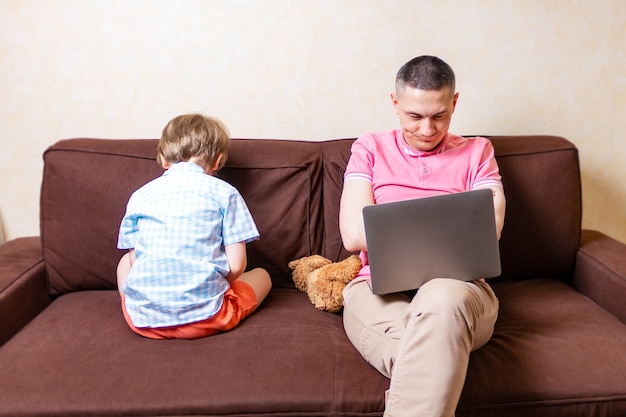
194 135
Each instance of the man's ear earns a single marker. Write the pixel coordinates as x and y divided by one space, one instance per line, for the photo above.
394 101
454 99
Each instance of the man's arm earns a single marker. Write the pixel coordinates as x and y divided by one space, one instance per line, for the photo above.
499 206
356 195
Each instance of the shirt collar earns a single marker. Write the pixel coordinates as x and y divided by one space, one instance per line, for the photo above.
412 152
184 167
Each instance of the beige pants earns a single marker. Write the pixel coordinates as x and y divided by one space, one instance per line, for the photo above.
423 344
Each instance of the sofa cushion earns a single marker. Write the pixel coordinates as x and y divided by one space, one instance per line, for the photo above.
541 231
553 352
87 183
551 347
281 182
335 155
79 358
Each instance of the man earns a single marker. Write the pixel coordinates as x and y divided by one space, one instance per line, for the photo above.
421 343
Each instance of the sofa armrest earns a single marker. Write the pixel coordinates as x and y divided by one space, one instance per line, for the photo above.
23 286
601 272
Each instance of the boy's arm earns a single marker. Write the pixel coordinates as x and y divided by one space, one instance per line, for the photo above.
237 260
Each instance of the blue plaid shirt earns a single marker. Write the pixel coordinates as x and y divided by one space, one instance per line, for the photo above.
178 225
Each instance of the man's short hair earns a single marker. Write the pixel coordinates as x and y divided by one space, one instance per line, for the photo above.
425 73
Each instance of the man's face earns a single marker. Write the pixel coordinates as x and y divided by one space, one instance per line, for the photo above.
424 115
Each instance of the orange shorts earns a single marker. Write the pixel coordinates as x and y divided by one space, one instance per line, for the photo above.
239 303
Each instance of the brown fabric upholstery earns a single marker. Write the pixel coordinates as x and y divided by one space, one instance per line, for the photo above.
292 189
282 184
23 287
86 184
285 358
544 206
335 154
557 350
553 353
85 188
601 272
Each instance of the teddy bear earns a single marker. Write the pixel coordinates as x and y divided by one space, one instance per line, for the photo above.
324 280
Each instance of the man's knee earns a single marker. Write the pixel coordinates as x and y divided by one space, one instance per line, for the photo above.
444 296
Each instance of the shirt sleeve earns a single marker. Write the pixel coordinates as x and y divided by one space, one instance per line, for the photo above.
361 162
488 173
238 225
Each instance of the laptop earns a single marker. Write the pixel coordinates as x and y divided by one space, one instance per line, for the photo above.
449 236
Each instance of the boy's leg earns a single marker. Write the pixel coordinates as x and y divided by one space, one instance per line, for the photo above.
260 282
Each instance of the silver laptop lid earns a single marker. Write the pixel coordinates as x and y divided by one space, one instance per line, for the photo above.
449 236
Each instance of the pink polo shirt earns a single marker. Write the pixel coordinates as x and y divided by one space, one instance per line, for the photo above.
398 172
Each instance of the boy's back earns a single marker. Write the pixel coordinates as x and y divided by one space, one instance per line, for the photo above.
186 231
178 225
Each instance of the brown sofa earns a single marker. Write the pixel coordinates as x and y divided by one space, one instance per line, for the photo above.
559 347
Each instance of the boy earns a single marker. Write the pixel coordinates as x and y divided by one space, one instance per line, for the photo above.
186 234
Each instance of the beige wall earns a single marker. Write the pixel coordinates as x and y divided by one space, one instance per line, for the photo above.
308 69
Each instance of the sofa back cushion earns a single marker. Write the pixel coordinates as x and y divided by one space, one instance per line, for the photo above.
542 228
543 214
336 154
292 189
87 183
281 182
